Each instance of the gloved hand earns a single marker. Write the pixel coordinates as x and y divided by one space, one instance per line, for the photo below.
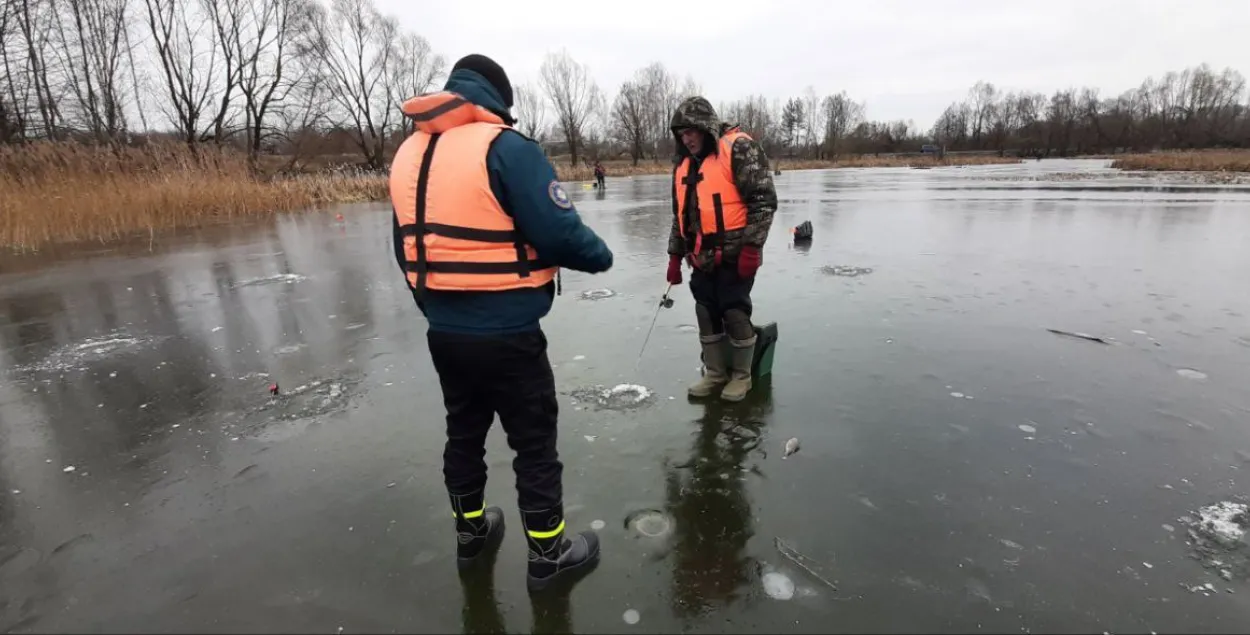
749 260
674 269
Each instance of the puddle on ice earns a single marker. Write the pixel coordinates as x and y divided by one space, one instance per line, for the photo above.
80 355
845 271
1189 373
597 294
619 397
286 278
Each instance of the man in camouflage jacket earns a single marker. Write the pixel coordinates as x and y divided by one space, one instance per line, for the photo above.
723 263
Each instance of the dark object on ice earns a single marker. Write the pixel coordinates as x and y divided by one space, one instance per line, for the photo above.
1083 336
273 388
765 344
802 232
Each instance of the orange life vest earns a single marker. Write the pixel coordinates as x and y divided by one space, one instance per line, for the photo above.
457 237
720 205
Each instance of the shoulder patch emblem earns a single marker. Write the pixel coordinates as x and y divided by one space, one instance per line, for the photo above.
559 196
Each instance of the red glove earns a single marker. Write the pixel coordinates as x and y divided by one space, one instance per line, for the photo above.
749 261
674 269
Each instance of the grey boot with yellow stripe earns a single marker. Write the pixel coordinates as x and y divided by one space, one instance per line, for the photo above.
552 555
479 529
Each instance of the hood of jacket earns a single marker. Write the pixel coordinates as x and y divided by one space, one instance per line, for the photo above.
696 112
473 87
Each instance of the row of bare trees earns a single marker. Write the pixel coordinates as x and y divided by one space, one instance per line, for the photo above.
308 76
255 73
1193 108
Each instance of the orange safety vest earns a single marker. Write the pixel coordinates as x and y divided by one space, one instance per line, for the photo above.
457 237
720 205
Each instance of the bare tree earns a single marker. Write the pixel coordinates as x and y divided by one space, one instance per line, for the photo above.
573 95
33 24
357 47
629 116
659 88
981 99
842 115
531 112
304 112
814 126
91 46
183 40
12 107
415 71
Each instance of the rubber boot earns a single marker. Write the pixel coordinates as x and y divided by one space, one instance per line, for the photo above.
714 375
553 557
479 529
740 370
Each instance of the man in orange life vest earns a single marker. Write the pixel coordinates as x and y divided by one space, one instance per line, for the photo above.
481 226
723 205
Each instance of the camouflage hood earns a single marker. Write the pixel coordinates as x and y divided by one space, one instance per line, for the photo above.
695 112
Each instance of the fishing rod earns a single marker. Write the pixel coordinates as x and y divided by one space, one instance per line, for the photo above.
665 303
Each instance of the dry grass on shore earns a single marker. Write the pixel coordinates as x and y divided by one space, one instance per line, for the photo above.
63 193
1187 161
570 173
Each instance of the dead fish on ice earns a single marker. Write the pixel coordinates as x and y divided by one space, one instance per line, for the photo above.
792 446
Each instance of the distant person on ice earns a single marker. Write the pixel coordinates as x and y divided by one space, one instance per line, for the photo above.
481 226
723 205
600 173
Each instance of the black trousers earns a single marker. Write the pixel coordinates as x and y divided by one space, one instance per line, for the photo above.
720 290
510 376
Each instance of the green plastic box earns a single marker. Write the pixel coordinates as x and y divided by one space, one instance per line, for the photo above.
765 348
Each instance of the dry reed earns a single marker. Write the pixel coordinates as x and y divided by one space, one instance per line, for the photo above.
1187 161
65 193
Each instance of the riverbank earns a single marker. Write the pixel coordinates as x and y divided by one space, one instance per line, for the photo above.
57 193
568 172
1190 161
66 193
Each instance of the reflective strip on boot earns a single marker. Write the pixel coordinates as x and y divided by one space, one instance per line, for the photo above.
546 535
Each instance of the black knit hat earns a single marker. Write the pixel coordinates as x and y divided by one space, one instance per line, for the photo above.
486 67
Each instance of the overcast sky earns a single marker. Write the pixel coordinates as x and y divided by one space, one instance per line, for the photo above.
904 59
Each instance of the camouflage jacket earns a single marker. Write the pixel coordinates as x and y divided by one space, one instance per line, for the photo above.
752 177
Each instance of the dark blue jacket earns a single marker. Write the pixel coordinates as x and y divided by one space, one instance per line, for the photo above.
521 178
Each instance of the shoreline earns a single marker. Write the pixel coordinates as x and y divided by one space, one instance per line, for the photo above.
102 207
